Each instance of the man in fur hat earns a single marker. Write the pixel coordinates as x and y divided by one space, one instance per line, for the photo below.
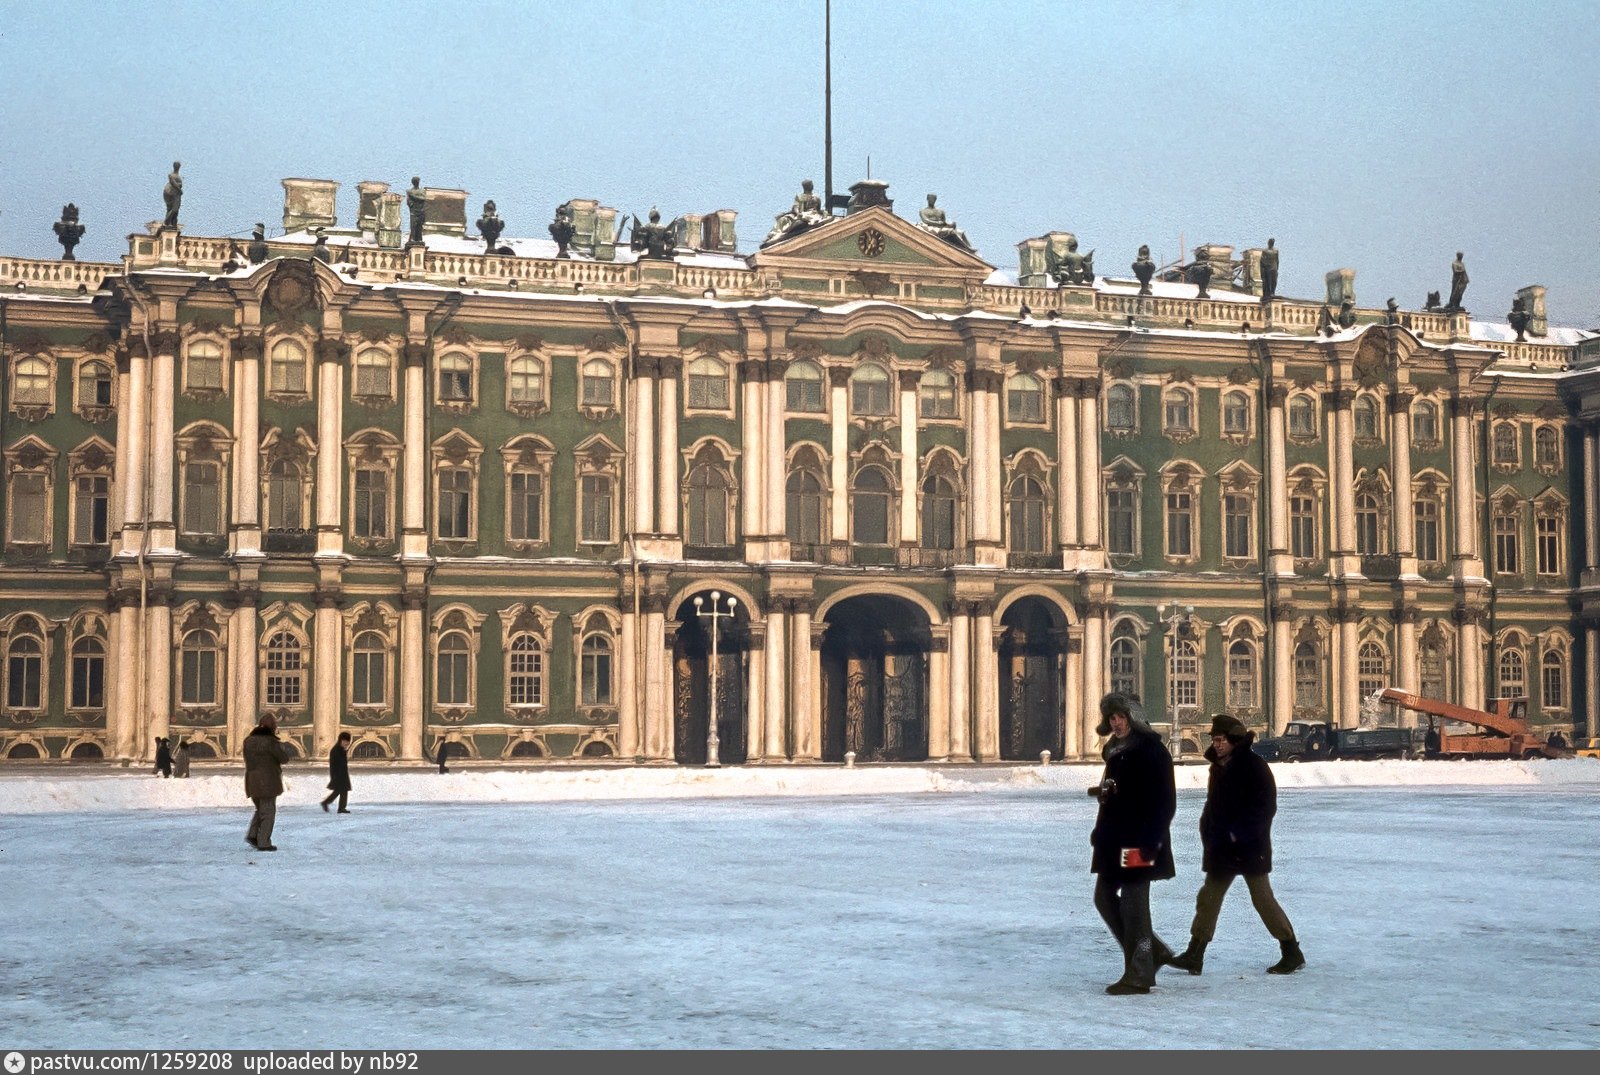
1132 838
1236 833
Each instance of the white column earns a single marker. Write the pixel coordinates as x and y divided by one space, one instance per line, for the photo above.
412 656
1400 469
986 688
330 446
1591 677
992 476
328 644
162 451
1463 479
1067 462
1342 477
657 685
247 449
939 699
753 444
1591 484
1349 714
773 746
246 703
960 680
775 444
642 387
122 705
1282 673
628 686
667 474
414 493
1277 484
121 462
755 710
132 449
1094 663
1072 709
1089 466
839 470
1469 665
158 673
1407 671
909 380
802 687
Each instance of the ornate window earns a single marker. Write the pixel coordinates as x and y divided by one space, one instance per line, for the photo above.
25 681
30 481
286 369
599 385
1425 513
1305 530
1513 673
802 386
1302 417
525 671
525 385
91 467
1365 412
806 500
708 384
198 659
1307 676
1024 399
456 459
1122 485
1547 447
870 391
1181 501
1506 449
203 452
369 670
286 492
1425 423
1372 669
374 378
1122 413
936 395
872 507
1238 517
1183 690
1432 679
527 464
33 384
96 385
710 490
595 670
1242 674
1027 506
941 498
202 367
1369 525
1236 413
1553 680
455 377
1125 664
1178 411
452 677
1507 537
597 477
1549 523
372 457
285 671
88 686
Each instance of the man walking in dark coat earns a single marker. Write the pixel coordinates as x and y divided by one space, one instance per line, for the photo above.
264 755
1132 839
163 757
338 775
1236 833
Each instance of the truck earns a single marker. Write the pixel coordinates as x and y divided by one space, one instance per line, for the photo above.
1505 733
1312 741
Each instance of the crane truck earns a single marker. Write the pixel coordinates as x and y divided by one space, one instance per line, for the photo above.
1505 734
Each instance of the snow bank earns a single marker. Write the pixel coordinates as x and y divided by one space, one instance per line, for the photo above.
47 791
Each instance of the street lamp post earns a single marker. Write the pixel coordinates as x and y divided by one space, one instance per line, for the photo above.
1180 614
716 616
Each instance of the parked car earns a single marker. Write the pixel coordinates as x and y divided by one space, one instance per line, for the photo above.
1373 743
1310 741
1587 748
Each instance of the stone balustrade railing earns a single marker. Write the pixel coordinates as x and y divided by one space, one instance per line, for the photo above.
727 283
1546 356
55 274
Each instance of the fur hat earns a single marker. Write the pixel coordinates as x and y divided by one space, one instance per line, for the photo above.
1232 727
1117 702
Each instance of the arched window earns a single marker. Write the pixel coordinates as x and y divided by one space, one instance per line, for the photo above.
1241 675
285 670
599 389
1553 680
1236 413
1184 690
373 377
939 505
31 386
1372 669
526 380
203 368
285 486
936 395
525 671
1179 410
453 670
1024 398
806 500
1302 417
1425 529
1513 681
710 504
1425 423
1307 676
708 384
286 368
88 674
1505 449
1120 409
871 504
24 673
1546 447
1369 531
202 497
869 391
369 670
94 385
1365 410
455 378
1125 676
198 669
595 671
803 387
1029 522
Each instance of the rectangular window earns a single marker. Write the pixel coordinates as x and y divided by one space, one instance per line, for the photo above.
368 678
872 518
205 371
1180 523
527 674
23 683
527 506
708 391
1241 681
199 684
30 522
804 394
455 385
372 379
1507 553
450 682
372 503
289 376
1303 527
202 501
1426 516
1554 683
1237 510
1549 544
1025 405
88 681
597 389
596 676
455 504
595 524
1121 522
91 524
937 399
1307 678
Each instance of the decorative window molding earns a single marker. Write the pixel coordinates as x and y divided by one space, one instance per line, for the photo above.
1512 678
372 458
1550 534
710 495
1241 486
90 470
1555 697
30 495
594 651
526 631
874 498
288 474
597 387
527 384
1237 417
455 380
1372 668
938 396
205 367
1547 448
808 501
1179 413
373 374
1373 502
1307 495
205 450
708 386
284 659
457 461
1180 490
597 465
289 369
1123 482
805 388
1027 504
1506 445
1507 521
1127 658
1307 660
1242 657
1122 408
200 661
1425 428
528 462
1428 535
371 632
26 687
33 386
1366 420
1025 401
456 638
95 395
1303 426
872 392
939 513
88 650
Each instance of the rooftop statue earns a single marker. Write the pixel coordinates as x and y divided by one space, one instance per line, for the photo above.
1433 302
562 229
652 240
1200 275
1347 313
172 195
1144 270
1391 311
236 259
1325 320
1071 267
806 212
258 245
1269 271
319 249
417 205
490 226
1520 319
68 231
1458 284
934 222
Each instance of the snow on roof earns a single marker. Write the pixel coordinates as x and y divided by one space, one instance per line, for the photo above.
1559 335
339 238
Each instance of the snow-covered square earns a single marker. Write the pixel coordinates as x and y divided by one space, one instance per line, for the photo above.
1439 904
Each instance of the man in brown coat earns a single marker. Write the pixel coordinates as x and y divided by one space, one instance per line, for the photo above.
264 755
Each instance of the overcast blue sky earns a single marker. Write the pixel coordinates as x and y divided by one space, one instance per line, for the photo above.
1381 136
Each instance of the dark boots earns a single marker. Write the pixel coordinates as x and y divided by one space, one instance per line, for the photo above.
1292 959
1191 958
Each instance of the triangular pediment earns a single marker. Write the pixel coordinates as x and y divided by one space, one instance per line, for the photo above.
873 239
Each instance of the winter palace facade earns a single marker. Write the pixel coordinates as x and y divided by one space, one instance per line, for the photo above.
483 493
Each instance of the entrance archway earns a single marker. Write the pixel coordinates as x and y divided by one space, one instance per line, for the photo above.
691 664
1031 668
875 680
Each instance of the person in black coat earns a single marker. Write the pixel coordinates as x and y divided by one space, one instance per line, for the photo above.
1236 835
339 775
163 757
1132 838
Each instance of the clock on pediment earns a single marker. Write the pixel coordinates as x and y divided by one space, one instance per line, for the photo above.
870 242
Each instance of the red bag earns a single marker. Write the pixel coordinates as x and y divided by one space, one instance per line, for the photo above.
1134 858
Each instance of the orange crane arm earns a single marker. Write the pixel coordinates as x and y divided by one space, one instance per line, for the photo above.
1507 726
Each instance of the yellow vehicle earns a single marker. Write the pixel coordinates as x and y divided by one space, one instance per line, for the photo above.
1587 748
